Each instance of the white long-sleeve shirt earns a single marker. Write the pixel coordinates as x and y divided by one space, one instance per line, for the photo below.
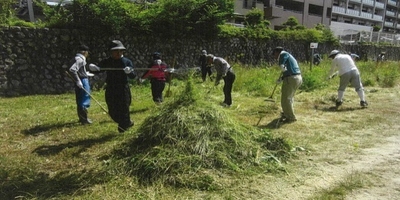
342 63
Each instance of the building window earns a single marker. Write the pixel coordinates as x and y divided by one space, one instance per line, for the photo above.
315 10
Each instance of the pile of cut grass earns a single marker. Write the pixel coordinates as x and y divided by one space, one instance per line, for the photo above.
191 143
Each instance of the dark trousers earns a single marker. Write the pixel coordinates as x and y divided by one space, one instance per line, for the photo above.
204 71
118 99
228 84
157 88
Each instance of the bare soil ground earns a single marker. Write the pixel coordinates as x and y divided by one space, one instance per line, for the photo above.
340 146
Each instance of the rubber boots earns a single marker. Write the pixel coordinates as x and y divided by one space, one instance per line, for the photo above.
82 114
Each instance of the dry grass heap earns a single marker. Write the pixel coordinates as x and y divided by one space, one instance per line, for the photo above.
190 143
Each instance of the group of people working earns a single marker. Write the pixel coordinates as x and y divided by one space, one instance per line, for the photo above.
120 69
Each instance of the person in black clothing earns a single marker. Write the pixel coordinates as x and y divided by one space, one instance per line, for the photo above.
157 76
118 93
204 66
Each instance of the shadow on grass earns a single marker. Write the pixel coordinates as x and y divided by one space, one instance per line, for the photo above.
139 111
36 130
43 186
274 124
47 150
336 109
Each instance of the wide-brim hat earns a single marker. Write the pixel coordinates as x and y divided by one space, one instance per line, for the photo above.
117 45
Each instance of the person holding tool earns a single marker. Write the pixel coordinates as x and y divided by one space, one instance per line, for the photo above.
157 73
224 71
82 88
291 80
344 66
118 92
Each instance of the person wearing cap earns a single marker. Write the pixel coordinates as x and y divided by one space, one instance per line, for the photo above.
157 73
205 68
118 92
291 80
354 56
224 71
82 86
344 66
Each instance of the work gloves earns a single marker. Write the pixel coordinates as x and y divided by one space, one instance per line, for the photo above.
128 70
283 68
93 67
333 76
79 84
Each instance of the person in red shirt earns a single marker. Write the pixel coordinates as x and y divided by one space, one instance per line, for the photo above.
157 74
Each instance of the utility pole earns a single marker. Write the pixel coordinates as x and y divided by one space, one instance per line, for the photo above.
30 11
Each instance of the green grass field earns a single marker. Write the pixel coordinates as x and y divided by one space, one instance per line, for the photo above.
188 148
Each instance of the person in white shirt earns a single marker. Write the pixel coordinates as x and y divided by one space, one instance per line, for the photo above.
344 66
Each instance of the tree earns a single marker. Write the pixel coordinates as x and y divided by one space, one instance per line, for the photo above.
293 24
6 11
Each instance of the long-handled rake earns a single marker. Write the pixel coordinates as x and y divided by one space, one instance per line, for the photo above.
273 91
87 92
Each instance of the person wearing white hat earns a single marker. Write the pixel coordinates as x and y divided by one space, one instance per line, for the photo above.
118 93
344 66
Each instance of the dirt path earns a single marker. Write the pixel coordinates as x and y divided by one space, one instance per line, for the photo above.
354 143
382 162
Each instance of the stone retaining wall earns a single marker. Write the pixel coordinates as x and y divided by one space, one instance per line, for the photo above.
34 61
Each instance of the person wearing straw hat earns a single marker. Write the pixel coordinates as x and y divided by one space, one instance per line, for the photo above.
118 93
82 87
291 80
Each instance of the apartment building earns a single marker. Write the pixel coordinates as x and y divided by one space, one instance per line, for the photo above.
358 18
242 7
308 12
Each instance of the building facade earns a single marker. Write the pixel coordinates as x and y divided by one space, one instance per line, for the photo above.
366 20
309 13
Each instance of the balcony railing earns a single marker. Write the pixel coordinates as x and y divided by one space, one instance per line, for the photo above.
368 2
390 13
389 24
355 13
393 3
379 5
377 17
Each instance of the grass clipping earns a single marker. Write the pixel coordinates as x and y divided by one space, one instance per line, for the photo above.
190 142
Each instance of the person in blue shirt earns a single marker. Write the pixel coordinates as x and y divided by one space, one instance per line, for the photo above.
291 80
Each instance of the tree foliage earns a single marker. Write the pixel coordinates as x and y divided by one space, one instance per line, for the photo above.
293 24
6 11
168 18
